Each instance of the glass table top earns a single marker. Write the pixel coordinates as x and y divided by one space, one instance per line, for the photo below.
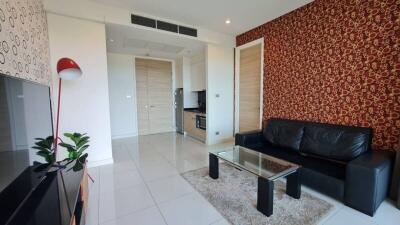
260 164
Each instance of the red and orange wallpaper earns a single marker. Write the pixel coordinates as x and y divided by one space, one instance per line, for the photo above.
335 62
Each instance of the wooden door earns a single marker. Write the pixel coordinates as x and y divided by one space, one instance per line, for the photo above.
160 96
142 97
249 88
154 96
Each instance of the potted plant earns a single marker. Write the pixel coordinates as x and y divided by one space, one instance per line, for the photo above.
76 150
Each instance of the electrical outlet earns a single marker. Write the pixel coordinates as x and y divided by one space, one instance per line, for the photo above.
217 133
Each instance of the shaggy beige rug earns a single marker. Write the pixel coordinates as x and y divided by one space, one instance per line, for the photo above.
234 195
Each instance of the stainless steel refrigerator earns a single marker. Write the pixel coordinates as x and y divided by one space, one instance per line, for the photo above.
179 110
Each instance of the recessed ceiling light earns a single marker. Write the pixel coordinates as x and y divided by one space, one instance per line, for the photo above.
111 40
227 21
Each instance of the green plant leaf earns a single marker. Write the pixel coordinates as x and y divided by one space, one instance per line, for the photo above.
43 144
75 150
41 148
83 149
76 138
73 155
83 158
68 135
70 148
44 152
66 145
84 140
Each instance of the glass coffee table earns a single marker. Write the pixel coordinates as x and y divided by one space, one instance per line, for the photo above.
267 168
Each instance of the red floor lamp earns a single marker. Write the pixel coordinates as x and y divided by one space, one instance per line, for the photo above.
67 69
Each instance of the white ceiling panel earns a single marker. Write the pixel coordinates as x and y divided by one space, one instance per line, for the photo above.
212 14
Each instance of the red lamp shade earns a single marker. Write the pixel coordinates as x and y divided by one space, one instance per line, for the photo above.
68 69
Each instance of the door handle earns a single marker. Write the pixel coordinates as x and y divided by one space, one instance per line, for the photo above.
152 106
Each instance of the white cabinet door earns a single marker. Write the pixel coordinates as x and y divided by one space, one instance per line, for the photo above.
198 77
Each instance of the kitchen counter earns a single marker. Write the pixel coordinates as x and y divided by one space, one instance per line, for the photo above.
195 110
190 124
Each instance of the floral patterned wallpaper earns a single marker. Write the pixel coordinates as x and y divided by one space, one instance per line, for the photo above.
24 45
335 62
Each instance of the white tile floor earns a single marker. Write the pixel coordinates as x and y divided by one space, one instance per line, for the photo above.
143 187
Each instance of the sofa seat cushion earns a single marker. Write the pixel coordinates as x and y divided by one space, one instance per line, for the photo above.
329 168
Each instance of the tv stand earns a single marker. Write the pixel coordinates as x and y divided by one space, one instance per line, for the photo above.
60 198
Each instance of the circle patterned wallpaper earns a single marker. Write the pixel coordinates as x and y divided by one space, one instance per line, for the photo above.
335 62
24 45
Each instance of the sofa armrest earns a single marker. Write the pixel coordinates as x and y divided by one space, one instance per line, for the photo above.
367 181
247 138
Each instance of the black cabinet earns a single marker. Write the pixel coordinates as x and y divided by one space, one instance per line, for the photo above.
59 199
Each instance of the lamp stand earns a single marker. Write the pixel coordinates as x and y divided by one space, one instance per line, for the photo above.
58 117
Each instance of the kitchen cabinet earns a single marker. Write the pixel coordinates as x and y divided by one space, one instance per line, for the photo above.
198 76
190 128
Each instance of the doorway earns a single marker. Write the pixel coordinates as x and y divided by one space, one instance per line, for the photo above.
249 86
154 96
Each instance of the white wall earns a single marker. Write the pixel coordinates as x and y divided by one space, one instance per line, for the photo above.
189 97
178 73
122 89
85 102
220 92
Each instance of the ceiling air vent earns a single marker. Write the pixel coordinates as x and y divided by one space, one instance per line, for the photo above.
161 25
188 31
143 21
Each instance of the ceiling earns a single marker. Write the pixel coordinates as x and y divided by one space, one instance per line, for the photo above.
211 14
147 42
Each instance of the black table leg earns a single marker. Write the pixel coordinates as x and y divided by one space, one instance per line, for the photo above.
293 185
265 196
213 166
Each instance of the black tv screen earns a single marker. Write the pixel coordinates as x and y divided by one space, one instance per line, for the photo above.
25 114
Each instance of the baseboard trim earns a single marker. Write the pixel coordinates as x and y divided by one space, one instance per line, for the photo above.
100 162
115 137
220 141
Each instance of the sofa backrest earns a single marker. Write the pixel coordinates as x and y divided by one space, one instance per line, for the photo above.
335 142
285 133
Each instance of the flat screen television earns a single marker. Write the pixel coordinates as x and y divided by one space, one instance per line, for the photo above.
25 114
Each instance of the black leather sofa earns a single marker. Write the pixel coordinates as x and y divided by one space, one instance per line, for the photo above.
336 160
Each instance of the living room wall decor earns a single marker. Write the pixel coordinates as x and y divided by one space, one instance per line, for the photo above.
24 42
335 62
